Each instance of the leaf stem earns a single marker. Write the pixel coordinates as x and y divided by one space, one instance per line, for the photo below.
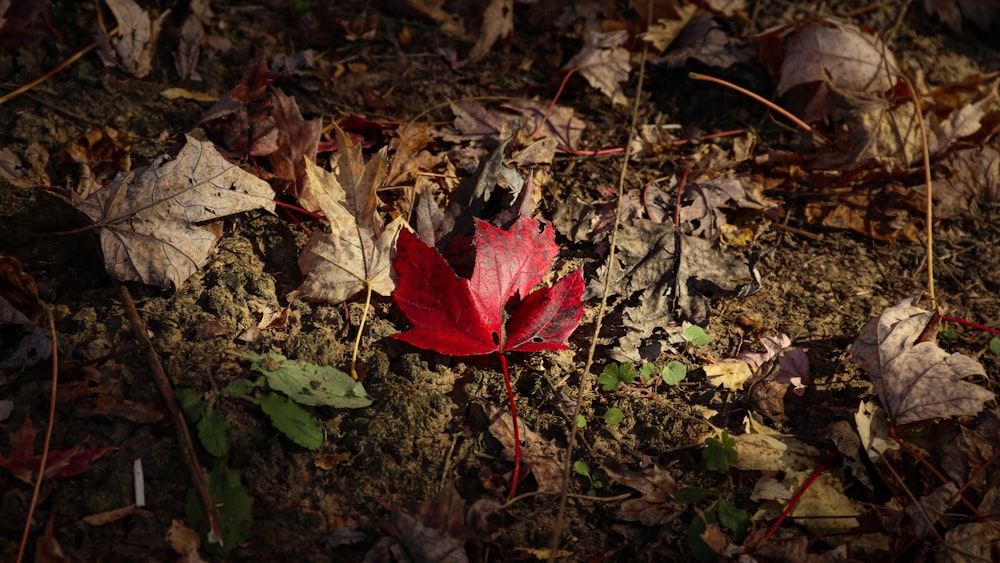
361 326
802 124
513 416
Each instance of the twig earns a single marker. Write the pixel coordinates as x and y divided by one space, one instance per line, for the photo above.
928 184
601 310
48 435
176 417
802 124
56 69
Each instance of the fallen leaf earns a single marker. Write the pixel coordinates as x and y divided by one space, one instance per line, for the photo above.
540 457
436 532
132 49
241 124
47 548
914 378
98 395
730 374
656 277
148 219
707 41
460 317
21 308
192 33
663 31
298 141
109 516
185 94
656 506
604 62
498 23
356 254
826 58
451 24
928 510
92 160
23 463
874 431
183 540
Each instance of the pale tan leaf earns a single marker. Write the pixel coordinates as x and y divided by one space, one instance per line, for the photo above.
135 43
914 378
498 23
604 63
357 251
148 217
835 57
663 32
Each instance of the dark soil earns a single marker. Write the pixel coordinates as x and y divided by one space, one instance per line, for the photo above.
427 425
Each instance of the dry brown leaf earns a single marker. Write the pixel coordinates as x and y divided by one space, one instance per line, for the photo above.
192 33
539 456
498 23
604 62
656 506
356 253
92 160
663 32
298 141
148 218
183 540
132 49
831 57
914 378
705 40
436 532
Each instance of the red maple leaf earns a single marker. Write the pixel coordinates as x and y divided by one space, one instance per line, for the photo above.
494 310
468 317
61 464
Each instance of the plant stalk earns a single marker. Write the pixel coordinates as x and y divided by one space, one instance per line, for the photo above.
513 416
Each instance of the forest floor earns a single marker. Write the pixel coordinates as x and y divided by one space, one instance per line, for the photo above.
436 431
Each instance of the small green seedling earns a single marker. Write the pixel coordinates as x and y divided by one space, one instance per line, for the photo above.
594 476
581 421
615 374
719 453
671 374
696 335
614 416
719 510
995 345
947 335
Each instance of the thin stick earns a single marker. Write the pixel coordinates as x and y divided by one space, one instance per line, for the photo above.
601 311
48 436
802 124
176 417
361 326
56 69
929 200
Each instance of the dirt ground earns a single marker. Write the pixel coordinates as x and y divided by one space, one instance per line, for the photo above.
428 424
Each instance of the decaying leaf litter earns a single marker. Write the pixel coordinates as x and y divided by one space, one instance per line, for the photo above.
752 256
